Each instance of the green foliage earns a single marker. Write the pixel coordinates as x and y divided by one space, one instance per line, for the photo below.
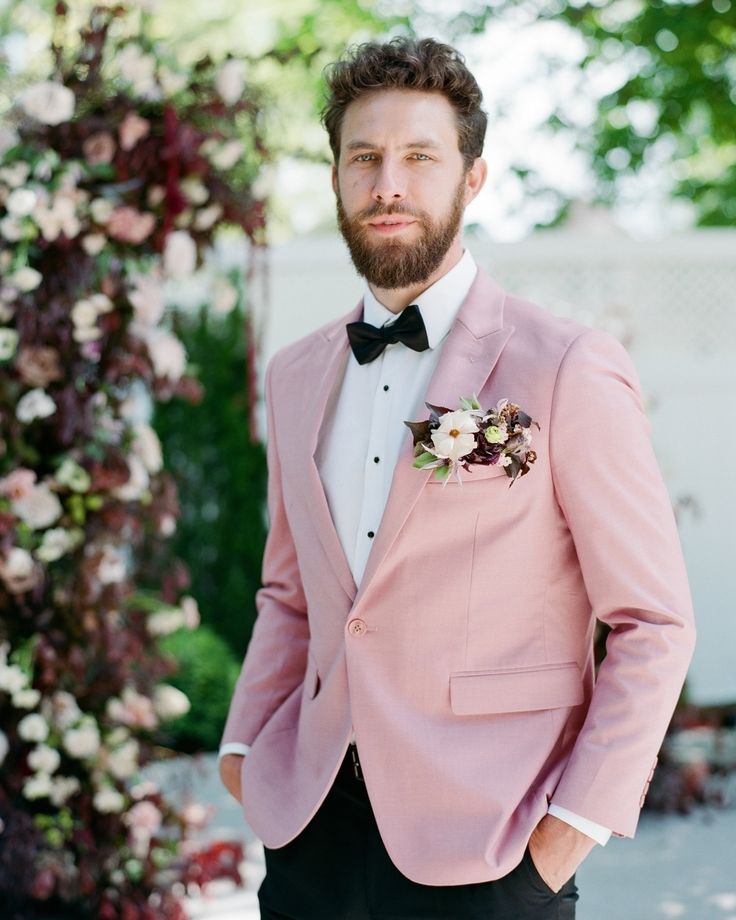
220 474
207 674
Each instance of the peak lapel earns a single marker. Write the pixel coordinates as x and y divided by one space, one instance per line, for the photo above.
469 354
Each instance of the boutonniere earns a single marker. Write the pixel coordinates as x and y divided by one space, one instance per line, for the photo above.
450 440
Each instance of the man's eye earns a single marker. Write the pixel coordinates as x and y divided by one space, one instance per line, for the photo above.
420 156
364 157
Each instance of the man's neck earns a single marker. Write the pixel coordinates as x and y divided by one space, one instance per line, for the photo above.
397 299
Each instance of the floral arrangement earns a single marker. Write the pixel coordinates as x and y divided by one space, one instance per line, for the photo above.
447 442
114 176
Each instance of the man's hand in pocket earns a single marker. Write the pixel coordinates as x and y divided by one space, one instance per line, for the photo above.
230 765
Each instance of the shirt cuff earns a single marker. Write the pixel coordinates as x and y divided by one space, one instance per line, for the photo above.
233 747
599 833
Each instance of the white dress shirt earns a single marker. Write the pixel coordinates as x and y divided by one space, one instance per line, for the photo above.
362 437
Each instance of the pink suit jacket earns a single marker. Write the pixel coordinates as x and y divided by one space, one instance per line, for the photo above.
465 659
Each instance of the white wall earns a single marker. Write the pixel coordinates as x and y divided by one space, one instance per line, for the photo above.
673 303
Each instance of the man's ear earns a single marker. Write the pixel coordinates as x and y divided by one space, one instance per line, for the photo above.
475 179
334 178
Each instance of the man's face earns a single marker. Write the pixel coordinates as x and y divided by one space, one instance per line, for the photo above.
401 186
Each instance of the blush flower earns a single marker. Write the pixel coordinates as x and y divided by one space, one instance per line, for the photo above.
455 436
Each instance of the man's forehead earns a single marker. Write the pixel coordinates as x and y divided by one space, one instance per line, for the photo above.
417 117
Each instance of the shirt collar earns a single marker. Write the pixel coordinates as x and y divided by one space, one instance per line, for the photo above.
438 304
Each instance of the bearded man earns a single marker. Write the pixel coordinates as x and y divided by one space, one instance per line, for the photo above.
418 730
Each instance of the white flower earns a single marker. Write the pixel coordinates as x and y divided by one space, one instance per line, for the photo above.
34 404
147 297
108 801
133 709
101 209
26 699
111 568
169 702
18 563
63 710
83 741
224 296
206 217
227 155
12 229
71 474
143 819
12 678
37 786
39 507
57 542
16 174
137 483
194 189
167 354
62 788
60 216
94 243
230 81
83 313
180 255
21 202
8 343
123 761
191 611
171 82
147 446
165 622
8 138
25 279
4 746
33 727
137 68
48 102
505 460
44 759
453 438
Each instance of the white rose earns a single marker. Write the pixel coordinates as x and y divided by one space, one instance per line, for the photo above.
48 102
38 786
123 761
165 622
21 201
108 801
11 228
26 699
227 155
25 279
4 746
64 710
137 68
12 678
8 343
171 82
39 507
230 81
62 788
147 446
18 563
167 354
147 297
137 483
16 174
93 243
180 255
194 189
101 210
111 568
34 404
44 759
56 543
83 313
82 741
206 217
33 727
169 702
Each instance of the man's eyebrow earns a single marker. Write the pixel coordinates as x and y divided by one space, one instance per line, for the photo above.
367 145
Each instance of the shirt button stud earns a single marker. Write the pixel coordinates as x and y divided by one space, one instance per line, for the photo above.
371 534
385 386
376 459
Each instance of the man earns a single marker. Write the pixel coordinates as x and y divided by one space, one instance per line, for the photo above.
422 732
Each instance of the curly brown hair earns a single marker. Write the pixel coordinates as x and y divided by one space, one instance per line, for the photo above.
406 63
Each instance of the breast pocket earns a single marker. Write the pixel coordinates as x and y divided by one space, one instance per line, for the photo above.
476 473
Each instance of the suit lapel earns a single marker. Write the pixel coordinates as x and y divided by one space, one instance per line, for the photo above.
469 354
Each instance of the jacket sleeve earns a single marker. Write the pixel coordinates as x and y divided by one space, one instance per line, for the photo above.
275 661
611 492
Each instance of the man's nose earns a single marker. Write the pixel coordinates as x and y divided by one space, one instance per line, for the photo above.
389 186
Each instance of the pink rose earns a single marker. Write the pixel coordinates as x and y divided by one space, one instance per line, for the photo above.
129 225
99 149
132 129
18 483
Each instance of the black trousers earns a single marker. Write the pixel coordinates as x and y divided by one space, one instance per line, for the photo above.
337 868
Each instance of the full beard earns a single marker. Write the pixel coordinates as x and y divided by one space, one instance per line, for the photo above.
392 264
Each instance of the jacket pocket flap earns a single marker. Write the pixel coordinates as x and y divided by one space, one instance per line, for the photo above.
549 686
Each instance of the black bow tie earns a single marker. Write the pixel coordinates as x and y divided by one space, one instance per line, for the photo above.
368 341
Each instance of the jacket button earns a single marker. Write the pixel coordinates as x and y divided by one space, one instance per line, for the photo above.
357 627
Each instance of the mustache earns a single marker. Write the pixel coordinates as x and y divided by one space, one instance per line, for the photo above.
380 210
